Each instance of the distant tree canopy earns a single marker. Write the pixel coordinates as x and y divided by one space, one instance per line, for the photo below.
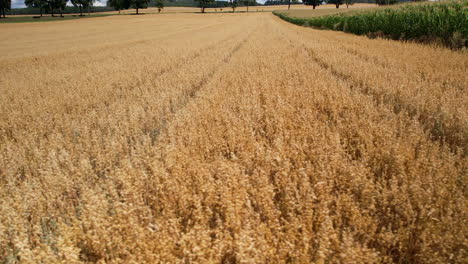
41 4
313 3
348 3
138 4
386 2
82 4
188 3
233 4
248 3
50 6
281 2
337 3
160 5
119 4
55 5
204 4
4 6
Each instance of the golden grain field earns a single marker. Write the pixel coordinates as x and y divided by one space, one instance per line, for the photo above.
228 138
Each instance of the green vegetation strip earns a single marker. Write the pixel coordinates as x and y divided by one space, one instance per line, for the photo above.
443 22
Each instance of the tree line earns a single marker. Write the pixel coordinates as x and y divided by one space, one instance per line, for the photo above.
337 3
136 4
54 7
203 4
57 6
4 6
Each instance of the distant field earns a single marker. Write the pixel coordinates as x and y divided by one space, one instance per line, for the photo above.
47 18
151 10
296 10
228 138
324 10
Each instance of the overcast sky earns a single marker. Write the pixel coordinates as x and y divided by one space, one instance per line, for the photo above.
20 3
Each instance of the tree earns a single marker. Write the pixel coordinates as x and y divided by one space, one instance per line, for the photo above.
82 4
313 3
348 3
337 3
4 6
36 4
52 5
119 4
60 5
203 4
247 3
160 5
233 4
137 4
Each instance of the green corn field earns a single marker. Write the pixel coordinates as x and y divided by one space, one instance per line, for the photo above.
442 22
